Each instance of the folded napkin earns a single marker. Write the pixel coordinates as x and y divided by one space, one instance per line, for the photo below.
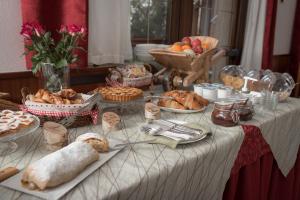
171 139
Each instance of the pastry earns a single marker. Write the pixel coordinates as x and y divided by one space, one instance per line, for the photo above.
152 111
183 100
120 94
98 142
59 167
11 121
68 94
233 81
110 121
65 96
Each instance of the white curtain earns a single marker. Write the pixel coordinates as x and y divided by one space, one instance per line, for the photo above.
255 27
109 31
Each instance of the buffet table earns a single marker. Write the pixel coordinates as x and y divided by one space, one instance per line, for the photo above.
192 171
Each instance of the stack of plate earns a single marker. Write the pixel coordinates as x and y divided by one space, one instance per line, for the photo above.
141 51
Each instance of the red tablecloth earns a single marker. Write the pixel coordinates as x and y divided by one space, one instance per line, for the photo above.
255 174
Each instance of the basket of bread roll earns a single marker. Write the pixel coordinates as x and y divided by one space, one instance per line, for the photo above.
131 75
54 107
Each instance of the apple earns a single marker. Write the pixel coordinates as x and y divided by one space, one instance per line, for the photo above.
186 40
198 49
196 42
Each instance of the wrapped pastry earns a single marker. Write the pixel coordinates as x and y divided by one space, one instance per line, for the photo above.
110 121
98 142
59 167
152 111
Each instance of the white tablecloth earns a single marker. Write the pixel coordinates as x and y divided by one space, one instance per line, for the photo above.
144 171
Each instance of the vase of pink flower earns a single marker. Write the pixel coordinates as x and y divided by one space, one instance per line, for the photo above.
52 58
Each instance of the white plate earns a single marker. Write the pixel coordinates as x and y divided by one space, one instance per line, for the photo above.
193 139
181 111
22 131
14 182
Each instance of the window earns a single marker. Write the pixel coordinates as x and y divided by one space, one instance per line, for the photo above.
149 20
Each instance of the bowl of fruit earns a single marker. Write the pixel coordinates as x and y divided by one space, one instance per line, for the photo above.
191 58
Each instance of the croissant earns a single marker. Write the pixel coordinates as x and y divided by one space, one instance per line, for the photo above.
68 94
200 99
57 100
39 93
191 103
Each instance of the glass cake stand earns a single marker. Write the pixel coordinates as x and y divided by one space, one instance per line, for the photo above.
7 144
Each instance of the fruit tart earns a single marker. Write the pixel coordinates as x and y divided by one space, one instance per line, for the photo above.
119 94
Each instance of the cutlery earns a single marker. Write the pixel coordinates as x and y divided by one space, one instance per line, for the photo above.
121 145
175 135
179 126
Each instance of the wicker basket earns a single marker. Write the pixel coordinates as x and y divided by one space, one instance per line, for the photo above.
139 82
80 120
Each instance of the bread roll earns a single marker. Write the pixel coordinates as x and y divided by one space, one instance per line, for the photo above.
98 142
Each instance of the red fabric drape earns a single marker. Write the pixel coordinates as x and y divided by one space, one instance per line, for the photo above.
255 174
268 42
51 14
295 46
263 180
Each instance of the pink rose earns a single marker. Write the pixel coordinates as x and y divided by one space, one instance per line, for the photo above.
74 29
38 29
63 29
29 29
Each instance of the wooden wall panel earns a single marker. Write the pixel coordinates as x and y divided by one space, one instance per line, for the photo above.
82 80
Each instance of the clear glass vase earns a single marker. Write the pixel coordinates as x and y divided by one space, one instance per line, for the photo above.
55 79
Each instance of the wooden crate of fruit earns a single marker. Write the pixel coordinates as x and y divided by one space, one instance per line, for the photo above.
191 57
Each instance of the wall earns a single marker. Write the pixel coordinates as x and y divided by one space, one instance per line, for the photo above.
284 26
11 43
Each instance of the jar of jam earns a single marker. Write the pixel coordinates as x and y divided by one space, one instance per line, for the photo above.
246 111
225 114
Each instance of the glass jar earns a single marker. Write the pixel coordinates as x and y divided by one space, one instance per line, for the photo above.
246 110
225 114
232 75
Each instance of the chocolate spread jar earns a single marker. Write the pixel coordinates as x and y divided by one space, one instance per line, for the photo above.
246 111
225 114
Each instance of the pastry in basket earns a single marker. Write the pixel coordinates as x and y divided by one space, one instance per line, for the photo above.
183 100
98 142
65 96
131 75
59 167
11 121
120 94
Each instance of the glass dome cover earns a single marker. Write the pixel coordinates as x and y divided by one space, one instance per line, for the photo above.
232 75
283 83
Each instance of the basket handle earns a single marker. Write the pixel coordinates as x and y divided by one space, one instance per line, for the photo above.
148 67
111 70
220 53
25 92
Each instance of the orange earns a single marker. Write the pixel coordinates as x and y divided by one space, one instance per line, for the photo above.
186 46
176 47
